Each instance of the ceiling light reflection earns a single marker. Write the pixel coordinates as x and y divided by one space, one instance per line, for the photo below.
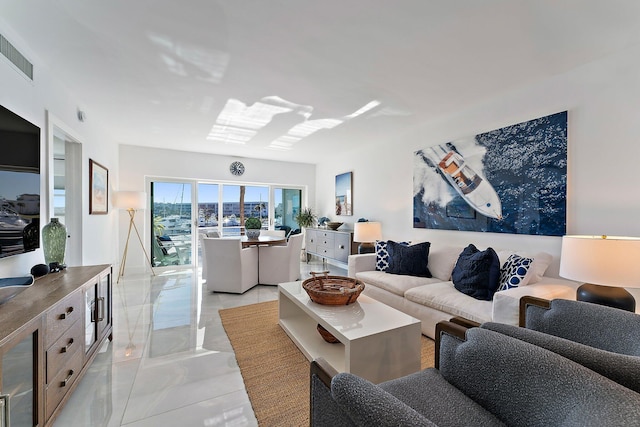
239 123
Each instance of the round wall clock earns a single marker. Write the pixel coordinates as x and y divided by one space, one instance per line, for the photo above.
236 168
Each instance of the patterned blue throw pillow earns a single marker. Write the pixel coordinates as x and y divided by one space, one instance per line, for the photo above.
382 255
514 271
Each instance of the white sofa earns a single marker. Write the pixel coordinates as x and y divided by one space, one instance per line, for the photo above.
435 299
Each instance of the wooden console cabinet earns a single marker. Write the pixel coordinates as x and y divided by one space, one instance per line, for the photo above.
335 245
49 335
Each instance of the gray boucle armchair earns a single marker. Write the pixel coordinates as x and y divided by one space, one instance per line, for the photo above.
486 379
603 339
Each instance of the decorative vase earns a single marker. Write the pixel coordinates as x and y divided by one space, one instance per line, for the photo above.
31 234
252 234
54 239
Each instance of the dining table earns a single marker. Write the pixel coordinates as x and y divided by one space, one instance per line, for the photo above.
263 241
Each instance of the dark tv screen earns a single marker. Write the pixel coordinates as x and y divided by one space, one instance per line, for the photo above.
19 184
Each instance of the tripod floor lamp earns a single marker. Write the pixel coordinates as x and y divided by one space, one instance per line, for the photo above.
132 201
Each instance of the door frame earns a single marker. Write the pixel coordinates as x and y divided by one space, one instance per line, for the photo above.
73 186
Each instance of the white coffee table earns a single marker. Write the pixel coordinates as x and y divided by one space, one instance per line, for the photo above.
377 342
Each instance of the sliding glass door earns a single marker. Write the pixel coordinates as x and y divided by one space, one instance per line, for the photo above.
171 219
286 202
241 202
181 211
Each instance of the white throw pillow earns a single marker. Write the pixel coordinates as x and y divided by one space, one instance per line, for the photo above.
442 260
541 262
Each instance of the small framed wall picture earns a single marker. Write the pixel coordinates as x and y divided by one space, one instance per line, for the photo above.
98 188
344 196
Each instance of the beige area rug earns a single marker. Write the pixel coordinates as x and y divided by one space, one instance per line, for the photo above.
275 372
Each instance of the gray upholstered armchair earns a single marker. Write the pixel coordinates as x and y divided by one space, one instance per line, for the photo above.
484 378
604 339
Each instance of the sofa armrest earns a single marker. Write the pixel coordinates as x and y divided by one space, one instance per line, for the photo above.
361 262
324 411
527 301
506 304
367 404
347 400
454 327
323 371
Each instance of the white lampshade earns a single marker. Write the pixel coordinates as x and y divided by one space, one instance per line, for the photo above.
367 232
601 260
130 200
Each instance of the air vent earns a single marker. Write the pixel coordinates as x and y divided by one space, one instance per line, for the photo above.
16 57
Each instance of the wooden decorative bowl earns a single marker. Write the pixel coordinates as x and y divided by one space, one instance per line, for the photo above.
332 290
326 335
333 225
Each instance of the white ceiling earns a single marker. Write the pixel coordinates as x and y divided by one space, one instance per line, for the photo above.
310 76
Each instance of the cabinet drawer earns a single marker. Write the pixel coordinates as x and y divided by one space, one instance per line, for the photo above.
61 351
62 382
326 241
325 252
342 248
62 316
310 237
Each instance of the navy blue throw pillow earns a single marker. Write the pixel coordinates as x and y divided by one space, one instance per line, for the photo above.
408 260
477 273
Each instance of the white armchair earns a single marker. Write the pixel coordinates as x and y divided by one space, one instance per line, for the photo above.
229 267
280 264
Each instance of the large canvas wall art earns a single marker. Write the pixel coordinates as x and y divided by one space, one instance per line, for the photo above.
344 197
510 180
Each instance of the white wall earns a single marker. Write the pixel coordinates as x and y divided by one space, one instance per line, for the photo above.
138 163
603 101
31 100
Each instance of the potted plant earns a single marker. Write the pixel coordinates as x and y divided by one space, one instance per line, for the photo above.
252 227
305 218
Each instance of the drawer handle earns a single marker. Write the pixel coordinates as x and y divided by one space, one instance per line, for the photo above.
64 382
340 246
66 347
311 240
67 313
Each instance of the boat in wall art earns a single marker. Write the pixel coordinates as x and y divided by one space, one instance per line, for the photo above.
477 192
510 180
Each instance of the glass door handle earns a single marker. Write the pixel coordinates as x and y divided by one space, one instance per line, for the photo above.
101 310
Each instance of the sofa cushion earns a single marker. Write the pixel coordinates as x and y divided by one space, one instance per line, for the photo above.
408 260
393 283
516 271
442 259
445 297
382 255
477 273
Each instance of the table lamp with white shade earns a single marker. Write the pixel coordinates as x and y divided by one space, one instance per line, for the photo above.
606 265
132 201
366 233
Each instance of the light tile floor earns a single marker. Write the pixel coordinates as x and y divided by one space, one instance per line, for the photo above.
170 362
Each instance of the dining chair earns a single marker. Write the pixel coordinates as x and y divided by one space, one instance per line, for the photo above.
280 264
229 267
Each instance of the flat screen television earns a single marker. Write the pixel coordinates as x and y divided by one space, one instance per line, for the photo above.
19 184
